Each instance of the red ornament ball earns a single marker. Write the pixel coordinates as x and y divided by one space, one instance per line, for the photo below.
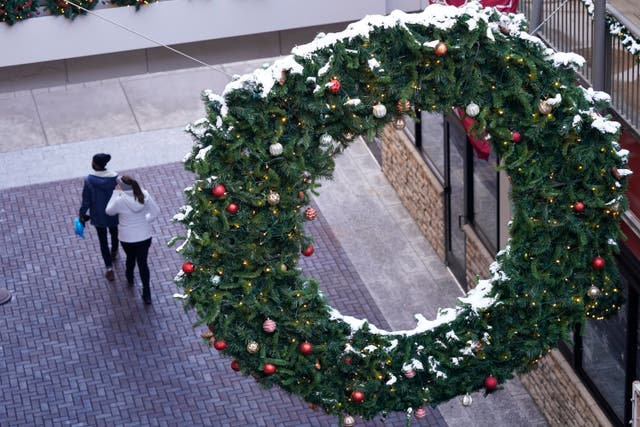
578 207
516 136
235 365
308 251
232 208
306 348
310 214
218 191
269 369
357 396
441 49
334 86
188 267
491 383
220 345
420 413
598 263
348 360
269 326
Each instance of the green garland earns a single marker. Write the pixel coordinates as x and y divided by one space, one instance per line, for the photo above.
272 135
12 11
62 7
136 3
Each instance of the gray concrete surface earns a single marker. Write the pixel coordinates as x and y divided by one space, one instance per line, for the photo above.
49 135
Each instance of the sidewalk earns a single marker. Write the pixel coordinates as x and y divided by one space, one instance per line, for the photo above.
83 351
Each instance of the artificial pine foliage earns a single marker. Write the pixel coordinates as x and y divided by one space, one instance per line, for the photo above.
68 10
136 3
12 11
567 191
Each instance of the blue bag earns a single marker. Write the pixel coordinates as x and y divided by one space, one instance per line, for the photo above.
79 227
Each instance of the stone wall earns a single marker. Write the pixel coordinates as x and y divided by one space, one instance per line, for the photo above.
561 396
417 187
554 386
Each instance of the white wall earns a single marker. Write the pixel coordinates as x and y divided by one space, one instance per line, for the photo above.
51 38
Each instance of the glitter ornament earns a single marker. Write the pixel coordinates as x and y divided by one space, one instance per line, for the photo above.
310 214
275 149
472 109
379 111
269 326
273 198
253 347
544 107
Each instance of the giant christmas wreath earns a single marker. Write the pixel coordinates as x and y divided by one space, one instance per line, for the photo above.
272 134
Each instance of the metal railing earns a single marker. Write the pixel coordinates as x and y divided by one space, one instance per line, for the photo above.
570 28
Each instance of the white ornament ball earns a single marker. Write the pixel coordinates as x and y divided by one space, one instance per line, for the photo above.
348 421
593 292
420 413
472 109
269 326
273 198
379 111
326 139
467 400
275 149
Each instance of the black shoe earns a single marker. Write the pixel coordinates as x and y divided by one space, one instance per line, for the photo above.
109 275
147 299
114 254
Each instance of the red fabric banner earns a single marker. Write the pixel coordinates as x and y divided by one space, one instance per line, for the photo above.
504 6
481 145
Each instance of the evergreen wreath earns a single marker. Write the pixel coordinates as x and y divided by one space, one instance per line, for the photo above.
271 135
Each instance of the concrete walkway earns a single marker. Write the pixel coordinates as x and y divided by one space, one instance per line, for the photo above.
50 135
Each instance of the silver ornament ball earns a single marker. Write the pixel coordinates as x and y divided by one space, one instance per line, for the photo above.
472 109
379 111
273 198
326 139
275 149
348 421
593 292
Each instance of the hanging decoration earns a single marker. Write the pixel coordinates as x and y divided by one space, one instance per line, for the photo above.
558 249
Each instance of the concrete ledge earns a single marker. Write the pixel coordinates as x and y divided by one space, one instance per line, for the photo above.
51 38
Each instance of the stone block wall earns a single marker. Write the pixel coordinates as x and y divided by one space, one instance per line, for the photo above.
554 386
561 396
416 185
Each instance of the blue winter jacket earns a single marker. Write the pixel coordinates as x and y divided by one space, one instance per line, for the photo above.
97 190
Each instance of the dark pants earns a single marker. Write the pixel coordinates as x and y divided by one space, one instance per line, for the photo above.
137 253
104 244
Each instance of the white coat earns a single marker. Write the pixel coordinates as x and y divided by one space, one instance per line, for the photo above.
134 218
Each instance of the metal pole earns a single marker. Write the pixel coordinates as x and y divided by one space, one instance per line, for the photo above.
536 16
599 45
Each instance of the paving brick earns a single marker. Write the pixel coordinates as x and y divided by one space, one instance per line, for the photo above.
77 350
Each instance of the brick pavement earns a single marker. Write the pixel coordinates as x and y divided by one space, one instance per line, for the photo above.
78 350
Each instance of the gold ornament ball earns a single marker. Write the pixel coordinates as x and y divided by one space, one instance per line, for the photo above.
273 198
544 107
348 421
399 123
253 347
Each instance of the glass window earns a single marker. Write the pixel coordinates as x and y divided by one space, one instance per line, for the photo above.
485 200
432 147
603 353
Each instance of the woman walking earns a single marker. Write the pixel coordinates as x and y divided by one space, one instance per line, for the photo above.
136 209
